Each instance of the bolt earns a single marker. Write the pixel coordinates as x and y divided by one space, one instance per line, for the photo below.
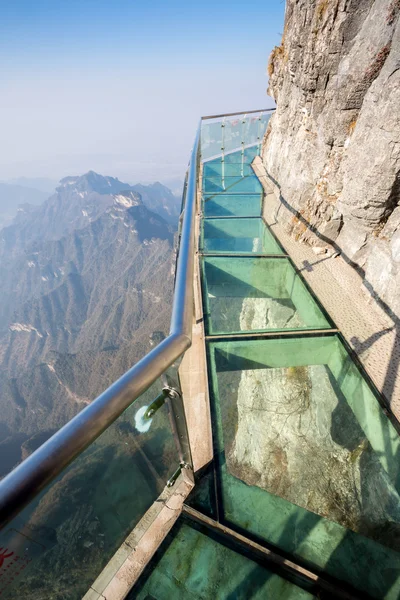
184 465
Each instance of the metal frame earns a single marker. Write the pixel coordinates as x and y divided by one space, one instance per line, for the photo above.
270 557
26 481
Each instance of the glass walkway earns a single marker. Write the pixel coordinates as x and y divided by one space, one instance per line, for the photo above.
305 460
301 497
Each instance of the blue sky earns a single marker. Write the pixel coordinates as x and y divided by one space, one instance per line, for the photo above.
118 86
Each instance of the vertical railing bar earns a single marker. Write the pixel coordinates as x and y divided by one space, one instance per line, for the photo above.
179 428
259 132
242 143
223 152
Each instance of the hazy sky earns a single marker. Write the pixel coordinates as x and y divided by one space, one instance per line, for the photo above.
118 86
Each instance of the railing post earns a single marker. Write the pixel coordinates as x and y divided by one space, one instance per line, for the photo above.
242 143
223 152
259 138
177 418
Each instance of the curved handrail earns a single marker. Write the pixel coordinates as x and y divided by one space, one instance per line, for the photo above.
20 486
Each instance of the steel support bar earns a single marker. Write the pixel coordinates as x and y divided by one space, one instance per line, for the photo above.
270 557
242 255
293 333
179 428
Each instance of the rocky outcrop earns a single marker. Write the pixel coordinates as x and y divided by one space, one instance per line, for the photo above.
333 145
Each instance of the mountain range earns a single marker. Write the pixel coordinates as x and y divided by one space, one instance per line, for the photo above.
87 281
14 196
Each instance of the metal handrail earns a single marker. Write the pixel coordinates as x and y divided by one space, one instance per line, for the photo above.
26 481
235 114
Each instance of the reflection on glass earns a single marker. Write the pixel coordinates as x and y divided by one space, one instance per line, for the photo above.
65 537
225 205
211 138
232 134
219 169
242 156
238 235
249 184
307 458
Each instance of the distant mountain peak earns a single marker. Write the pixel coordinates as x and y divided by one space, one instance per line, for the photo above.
93 182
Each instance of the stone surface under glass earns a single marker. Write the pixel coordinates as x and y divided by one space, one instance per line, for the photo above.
244 294
307 459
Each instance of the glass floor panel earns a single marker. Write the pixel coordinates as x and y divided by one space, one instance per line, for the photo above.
306 458
244 294
219 169
239 205
238 235
191 564
248 184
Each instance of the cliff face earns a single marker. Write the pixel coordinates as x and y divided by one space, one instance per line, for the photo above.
333 145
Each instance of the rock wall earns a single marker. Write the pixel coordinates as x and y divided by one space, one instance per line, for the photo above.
333 145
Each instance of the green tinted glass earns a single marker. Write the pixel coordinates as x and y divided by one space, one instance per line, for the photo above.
257 294
307 459
194 565
239 205
227 169
238 235
61 542
233 135
248 184
255 128
245 155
